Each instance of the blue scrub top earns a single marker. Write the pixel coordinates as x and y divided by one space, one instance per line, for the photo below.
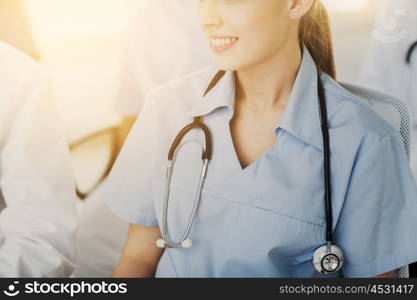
267 219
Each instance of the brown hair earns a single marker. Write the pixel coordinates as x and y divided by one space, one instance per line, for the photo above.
315 34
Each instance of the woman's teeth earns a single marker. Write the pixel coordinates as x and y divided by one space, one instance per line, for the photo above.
222 42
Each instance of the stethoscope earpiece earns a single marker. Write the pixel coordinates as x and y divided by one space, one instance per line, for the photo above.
187 243
328 259
160 243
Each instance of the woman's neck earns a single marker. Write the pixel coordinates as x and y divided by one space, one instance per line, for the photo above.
268 85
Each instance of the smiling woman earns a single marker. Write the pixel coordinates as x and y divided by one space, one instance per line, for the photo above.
261 205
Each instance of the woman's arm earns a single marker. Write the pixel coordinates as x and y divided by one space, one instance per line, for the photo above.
140 255
390 274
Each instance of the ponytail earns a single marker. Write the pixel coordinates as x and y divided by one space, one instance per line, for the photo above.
315 34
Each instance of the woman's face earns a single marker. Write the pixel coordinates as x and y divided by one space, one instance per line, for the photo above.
243 33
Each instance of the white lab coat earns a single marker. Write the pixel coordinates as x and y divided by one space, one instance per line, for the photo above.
37 201
384 67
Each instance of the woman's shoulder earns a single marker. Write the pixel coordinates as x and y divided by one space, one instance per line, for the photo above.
347 112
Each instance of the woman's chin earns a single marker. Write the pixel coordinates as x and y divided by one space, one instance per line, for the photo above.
227 65
232 63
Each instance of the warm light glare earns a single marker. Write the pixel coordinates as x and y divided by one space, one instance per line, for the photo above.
345 5
74 19
54 20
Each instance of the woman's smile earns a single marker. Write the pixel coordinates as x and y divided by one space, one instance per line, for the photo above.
219 44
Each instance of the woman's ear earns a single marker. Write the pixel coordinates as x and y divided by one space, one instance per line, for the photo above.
298 8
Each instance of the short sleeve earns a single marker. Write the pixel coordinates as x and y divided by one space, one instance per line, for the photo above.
128 188
377 223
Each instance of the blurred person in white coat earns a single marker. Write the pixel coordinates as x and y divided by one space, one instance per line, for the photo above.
37 199
391 63
163 42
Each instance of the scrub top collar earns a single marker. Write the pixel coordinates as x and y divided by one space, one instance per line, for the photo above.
218 92
301 116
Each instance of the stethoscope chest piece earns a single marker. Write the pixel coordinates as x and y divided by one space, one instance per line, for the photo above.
328 259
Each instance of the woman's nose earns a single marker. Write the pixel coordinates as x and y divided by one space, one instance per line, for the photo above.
209 13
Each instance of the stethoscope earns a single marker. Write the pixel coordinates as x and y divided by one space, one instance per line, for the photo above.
410 52
327 259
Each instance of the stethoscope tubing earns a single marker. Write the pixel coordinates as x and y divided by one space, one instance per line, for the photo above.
206 156
326 161
410 52
165 235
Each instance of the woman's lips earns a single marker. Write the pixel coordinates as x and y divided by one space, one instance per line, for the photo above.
222 43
